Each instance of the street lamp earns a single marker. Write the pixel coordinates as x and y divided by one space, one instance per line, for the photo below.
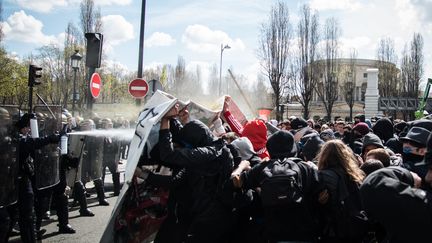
75 61
220 70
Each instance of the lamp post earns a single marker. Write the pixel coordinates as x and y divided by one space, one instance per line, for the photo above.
75 61
220 67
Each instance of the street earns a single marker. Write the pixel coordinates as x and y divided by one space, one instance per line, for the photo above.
88 229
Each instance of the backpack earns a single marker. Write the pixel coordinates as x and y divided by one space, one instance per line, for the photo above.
282 185
346 219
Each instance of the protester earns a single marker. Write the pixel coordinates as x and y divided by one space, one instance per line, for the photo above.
414 150
208 163
340 178
281 206
370 141
391 198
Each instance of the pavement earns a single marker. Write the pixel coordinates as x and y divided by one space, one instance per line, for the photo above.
88 229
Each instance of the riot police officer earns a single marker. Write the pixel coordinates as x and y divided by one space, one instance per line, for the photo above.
111 156
73 177
26 147
8 173
91 160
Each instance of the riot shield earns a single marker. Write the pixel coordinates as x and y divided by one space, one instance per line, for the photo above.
8 158
47 158
92 158
75 151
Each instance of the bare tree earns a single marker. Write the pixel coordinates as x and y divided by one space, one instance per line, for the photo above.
328 89
387 76
416 64
180 74
348 85
273 51
303 77
412 70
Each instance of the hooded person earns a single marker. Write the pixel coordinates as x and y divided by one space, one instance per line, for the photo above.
280 208
245 150
256 132
392 199
370 141
208 164
383 128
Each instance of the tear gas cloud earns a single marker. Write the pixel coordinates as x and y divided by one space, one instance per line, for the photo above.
116 134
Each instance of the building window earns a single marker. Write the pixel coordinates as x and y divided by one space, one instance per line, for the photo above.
364 75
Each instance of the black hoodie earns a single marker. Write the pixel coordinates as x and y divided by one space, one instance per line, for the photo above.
390 199
371 139
208 163
383 128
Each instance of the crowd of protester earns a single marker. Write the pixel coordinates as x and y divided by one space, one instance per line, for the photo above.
294 181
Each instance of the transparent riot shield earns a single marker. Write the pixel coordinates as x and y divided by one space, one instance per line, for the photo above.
75 151
92 158
8 157
47 161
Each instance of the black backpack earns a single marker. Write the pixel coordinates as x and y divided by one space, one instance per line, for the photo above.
283 184
347 219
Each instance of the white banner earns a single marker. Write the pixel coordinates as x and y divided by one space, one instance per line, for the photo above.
153 111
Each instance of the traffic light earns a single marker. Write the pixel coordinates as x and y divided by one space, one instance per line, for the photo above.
94 49
35 73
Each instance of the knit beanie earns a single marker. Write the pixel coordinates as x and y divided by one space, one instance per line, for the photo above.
362 128
281 145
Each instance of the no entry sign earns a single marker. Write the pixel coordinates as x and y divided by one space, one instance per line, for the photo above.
138 88
95 85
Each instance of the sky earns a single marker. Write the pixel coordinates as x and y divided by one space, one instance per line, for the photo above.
195 29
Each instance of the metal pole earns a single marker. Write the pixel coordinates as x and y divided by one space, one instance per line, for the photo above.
74 92
30 99
220 71
141 46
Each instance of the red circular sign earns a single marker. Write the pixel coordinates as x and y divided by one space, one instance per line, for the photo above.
138 88
95 85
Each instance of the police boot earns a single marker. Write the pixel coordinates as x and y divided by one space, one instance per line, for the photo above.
116 182
79 195
63 214
4 225
100 192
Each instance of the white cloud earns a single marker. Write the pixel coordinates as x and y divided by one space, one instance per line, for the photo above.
43 6
357 43
200 38
113 2
335 4
116 66
117 29
25 28
159 39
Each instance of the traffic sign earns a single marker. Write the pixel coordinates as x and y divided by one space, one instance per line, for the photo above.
138 88
95 85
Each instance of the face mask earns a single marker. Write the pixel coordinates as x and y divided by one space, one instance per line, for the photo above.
407 150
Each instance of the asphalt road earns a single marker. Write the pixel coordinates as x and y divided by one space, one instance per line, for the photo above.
88 229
